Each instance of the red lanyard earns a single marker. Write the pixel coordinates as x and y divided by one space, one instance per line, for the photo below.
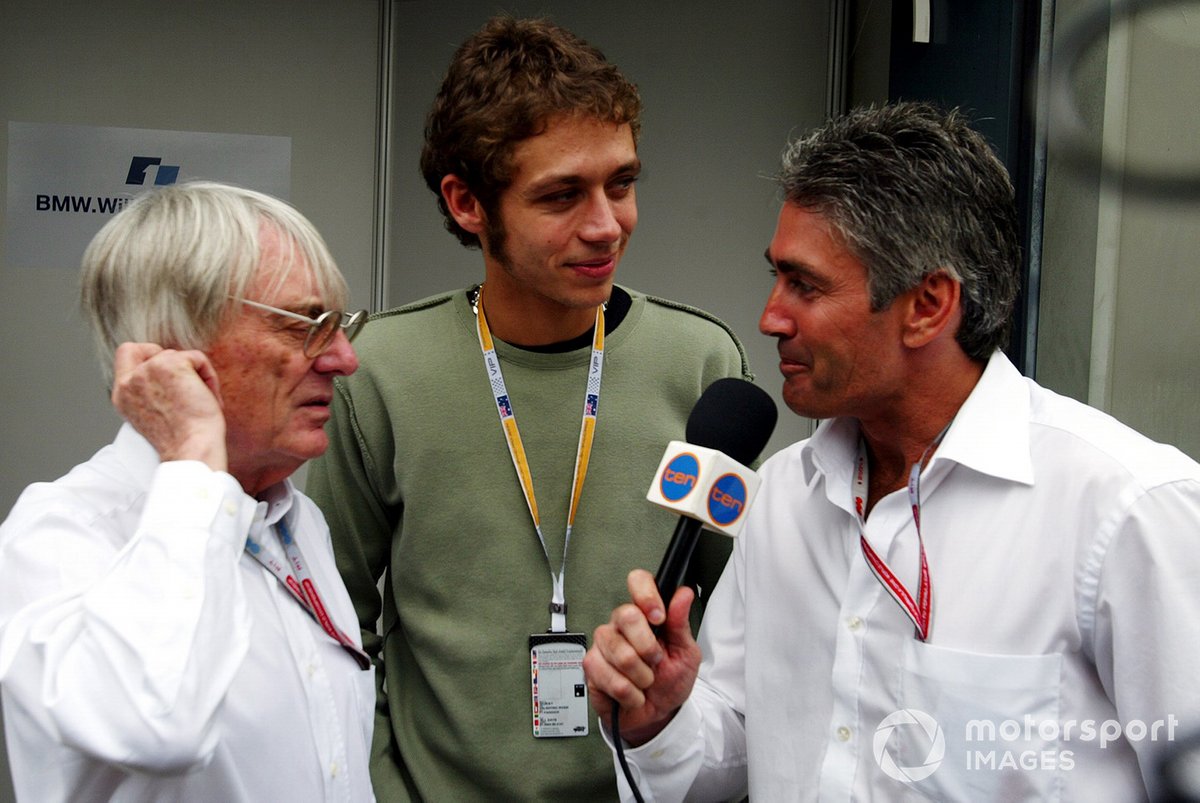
919 611
303 589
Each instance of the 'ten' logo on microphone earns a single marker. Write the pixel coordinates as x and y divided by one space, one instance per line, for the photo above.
679 477
727 499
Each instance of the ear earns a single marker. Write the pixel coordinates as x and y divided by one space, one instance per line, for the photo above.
462 204
934 306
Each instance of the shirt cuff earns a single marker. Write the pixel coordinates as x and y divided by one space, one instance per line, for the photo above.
671 744
187 495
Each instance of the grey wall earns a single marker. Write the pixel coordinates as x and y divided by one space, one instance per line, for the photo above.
306 69
723 86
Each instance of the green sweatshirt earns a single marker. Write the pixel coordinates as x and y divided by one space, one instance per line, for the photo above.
418 483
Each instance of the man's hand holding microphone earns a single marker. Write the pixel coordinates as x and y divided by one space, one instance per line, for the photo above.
645 660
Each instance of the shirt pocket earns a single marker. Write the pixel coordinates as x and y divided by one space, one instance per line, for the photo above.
997 716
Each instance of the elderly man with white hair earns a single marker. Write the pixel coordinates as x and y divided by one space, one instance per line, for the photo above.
172 626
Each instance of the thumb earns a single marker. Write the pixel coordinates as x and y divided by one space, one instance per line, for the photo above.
677 630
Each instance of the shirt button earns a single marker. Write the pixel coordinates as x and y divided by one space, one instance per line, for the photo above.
843 734
231 508
312 670
854 623
333 770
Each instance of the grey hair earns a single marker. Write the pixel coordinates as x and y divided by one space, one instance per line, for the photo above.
163 268
912 189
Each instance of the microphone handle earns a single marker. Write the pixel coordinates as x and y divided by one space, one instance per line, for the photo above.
675 561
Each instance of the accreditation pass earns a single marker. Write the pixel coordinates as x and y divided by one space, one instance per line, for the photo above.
560 702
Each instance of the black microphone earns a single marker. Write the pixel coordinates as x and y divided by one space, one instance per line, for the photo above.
726 430
708 482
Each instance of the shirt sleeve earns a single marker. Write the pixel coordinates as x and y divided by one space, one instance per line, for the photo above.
122 645
701 754
1146 631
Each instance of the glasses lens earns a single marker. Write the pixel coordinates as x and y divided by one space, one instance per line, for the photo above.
322 333
354 324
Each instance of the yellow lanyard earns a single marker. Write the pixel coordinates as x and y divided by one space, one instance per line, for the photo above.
508 422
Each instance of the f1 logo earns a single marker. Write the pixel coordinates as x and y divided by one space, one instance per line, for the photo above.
163 176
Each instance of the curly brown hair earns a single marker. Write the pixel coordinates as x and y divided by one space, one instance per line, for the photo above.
503 85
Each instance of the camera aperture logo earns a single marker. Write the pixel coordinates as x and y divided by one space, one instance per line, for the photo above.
904 719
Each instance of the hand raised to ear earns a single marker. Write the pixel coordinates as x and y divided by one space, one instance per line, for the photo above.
173 399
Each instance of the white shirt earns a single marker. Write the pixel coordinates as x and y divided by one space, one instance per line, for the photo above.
1064 550
146 656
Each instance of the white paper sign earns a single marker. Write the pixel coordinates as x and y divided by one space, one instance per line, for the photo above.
66 181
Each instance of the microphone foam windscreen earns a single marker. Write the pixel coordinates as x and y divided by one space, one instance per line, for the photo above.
733 416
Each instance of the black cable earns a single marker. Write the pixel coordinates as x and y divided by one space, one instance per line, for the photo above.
620 748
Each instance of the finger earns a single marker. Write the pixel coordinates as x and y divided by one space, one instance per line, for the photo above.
643 645
678 629
598 675
614 667
146 370
127 359
601 703
206 372
609 682
170 398
644 593
129 356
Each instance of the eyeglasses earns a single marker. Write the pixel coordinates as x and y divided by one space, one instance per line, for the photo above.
322 329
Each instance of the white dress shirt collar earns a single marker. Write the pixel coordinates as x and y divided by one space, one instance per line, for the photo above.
990 435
